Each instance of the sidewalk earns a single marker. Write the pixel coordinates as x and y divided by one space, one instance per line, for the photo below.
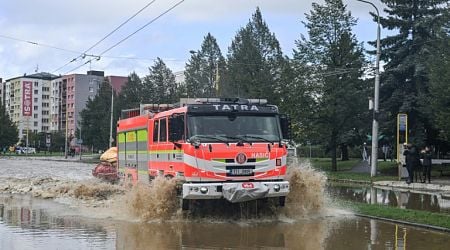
362 167
437 184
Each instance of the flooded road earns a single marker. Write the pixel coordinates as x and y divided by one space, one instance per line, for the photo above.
28 223
82 213
410 199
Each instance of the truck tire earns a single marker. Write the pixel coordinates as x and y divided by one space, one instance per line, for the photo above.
281 201
184 204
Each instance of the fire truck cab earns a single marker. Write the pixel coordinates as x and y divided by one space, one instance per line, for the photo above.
219 148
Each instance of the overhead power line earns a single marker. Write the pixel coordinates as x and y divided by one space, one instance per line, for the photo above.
83 54
39 44
130 35
118 27
141 28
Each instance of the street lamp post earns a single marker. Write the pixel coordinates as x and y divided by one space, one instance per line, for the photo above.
65 136
112 109
374 157
81 141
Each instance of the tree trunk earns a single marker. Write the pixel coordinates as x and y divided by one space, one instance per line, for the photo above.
333 159
344 152
333 153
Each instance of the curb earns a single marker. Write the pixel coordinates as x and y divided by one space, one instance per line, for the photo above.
437 228
350 181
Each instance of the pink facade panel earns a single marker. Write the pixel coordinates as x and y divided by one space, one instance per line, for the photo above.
27 98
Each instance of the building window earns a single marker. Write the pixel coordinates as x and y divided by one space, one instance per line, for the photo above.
36 91
91 89
35 108
35 116
36 84
35 124
35 100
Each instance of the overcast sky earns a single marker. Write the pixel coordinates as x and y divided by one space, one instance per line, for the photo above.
75 25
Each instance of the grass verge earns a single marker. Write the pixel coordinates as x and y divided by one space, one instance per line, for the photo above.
324 164
409 215
387 170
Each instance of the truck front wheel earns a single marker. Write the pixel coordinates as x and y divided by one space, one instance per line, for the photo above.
184 204
281 201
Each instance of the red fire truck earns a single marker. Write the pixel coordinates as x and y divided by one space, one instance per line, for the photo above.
220 148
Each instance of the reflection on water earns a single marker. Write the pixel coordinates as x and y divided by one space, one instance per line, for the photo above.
27 223
434 202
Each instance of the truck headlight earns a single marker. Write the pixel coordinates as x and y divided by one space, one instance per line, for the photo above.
276 188
203 190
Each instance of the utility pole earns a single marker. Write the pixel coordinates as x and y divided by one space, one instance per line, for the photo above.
374 155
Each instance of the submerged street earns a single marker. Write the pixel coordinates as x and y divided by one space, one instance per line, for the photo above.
79 212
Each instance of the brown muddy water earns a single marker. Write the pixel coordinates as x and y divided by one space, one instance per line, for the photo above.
41 207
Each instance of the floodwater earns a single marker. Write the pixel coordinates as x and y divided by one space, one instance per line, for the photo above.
410 199
80 212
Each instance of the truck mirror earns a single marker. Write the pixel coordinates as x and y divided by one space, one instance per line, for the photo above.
176 128
285 122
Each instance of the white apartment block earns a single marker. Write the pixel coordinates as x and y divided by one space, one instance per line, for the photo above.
56 101
39 121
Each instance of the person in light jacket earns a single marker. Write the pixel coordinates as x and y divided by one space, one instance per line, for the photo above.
426 163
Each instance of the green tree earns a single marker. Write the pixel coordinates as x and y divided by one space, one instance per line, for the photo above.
57 141
133 93
204 68
328 66
8 130
95 122
255 62
439 98
160 83
405 82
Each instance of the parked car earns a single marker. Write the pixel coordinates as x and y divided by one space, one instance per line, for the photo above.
25 150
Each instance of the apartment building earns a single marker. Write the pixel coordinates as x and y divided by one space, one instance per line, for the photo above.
2 92
56 101
27 99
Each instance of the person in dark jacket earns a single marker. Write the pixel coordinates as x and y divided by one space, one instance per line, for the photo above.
426 163
412 161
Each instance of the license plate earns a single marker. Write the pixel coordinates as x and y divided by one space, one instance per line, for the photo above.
241 172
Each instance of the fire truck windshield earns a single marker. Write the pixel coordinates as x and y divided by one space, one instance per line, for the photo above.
217 128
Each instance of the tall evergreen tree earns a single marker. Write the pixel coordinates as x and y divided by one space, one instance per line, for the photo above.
8 130
204 68
160 83
133 92
405 80
439 98
96 121
329 66
255 62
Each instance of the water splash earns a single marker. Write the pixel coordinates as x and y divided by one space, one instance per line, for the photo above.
155 201
159 200
307 194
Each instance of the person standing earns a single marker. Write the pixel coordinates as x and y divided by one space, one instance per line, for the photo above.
385 149
426 163
364 152
412 161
